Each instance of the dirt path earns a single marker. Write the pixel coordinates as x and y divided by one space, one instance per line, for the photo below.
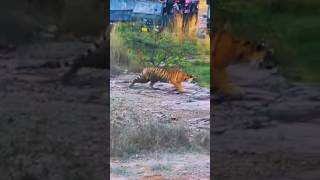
50 130
273 130
162 166
192 109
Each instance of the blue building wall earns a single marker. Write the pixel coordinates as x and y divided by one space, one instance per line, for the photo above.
122 10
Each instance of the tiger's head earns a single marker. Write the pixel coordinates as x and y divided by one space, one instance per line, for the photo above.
254 52
187 77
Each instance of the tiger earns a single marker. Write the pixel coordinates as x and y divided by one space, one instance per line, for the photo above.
226 50
155 74
95 57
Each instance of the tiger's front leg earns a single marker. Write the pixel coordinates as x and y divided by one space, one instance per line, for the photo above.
178 87
221 82
152 82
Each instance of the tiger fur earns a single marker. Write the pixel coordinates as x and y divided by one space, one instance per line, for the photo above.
226 50
95 57
155 74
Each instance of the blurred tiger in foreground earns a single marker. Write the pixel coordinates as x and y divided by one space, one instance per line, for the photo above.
155 74
227 50
95 57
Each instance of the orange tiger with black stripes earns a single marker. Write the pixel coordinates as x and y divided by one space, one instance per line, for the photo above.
155 74
227 50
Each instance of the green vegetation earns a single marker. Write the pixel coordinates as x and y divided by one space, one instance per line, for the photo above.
166 50
290 26
155 49
118 53
202 72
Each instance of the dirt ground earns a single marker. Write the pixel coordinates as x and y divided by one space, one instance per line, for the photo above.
272 132
50 130
54 131
165 105
163 166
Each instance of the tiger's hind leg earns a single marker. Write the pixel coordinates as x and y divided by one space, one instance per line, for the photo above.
140 79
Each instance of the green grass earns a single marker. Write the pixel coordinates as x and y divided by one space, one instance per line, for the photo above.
290 26
201 70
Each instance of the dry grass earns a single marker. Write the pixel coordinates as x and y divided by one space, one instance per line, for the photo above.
119 58
150 136
191 34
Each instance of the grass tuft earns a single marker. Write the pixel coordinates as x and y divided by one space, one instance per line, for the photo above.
161 167
148 137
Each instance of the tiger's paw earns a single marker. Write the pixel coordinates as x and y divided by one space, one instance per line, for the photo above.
130 85
181 91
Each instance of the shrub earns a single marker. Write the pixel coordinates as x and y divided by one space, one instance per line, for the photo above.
156 49
150 136
118 51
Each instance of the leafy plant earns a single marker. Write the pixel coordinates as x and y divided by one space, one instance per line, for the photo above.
156 49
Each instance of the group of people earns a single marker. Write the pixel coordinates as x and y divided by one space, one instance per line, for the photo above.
187 8
180 6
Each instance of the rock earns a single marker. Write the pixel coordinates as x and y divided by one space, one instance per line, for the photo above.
201 96
294 111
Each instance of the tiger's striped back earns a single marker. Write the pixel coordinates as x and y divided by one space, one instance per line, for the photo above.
155 74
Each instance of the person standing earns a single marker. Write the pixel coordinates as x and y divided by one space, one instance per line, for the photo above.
176 7
182 4
186 14
170 11
194 7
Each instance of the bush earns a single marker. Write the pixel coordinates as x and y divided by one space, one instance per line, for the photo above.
118 51
156 49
